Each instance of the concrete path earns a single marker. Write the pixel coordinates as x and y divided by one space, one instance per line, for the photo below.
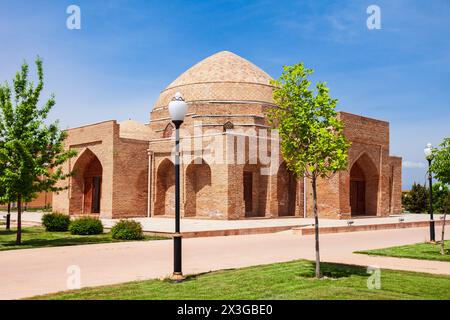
190 225
30 272
167 225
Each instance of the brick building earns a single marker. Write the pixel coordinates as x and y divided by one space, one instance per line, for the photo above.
231 168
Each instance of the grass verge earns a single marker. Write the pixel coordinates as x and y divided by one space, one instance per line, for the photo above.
291 280
422 251
37 237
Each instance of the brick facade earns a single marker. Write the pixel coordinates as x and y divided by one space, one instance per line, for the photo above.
124 174
220 177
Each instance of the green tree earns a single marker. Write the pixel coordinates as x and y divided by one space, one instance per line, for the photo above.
312 139
31 150
6 199
440 168
416 200
440 194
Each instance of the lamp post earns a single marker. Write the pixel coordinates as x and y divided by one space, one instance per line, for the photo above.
177 110
429 155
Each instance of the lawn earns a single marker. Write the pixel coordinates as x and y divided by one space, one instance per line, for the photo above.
423 251
291 280
37 237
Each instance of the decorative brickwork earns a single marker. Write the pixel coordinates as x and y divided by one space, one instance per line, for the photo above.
227 97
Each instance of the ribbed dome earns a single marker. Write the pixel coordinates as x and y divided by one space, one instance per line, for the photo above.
223 76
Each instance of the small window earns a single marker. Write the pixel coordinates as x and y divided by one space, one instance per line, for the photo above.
167 133
228 126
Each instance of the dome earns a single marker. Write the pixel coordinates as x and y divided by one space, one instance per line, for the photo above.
131 129
223 76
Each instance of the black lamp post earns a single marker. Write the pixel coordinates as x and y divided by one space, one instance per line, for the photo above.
429 155
177 110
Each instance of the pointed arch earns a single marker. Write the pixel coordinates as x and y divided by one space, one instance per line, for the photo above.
168 130
165 188
364 182
86 184
228 126
198 189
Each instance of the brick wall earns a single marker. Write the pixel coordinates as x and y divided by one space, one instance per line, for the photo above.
124 171
130 178
216 190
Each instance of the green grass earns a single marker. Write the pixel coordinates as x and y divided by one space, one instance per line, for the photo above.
37 237
291 280
423 251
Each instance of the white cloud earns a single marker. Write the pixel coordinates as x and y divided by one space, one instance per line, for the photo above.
413 165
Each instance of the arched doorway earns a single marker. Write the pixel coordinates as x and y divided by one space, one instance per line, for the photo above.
165 188
87 184
198 189
286 191
364 187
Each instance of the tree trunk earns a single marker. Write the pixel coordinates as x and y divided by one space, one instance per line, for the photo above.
8 217
19 220
443 227
316 227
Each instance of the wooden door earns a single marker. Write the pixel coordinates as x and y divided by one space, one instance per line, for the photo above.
96 188
358 197
87 205
248 191
361 197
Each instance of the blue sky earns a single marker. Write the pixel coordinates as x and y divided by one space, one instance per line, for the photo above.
127 51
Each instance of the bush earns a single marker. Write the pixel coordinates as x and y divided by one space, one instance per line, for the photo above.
55 222
127 230
86 226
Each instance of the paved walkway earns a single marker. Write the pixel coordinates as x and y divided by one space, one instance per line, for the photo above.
30 272
192 225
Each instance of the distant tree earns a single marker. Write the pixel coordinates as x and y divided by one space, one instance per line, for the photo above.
6 200
312 140
31 150
416 200
440 168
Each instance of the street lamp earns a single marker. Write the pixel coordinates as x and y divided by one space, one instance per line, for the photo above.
177 110
429 155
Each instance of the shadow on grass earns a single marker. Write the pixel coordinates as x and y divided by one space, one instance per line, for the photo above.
332 270
301 268
24 230
41 243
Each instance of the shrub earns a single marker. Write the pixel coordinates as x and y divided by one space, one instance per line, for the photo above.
127 230
86 226
55 221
